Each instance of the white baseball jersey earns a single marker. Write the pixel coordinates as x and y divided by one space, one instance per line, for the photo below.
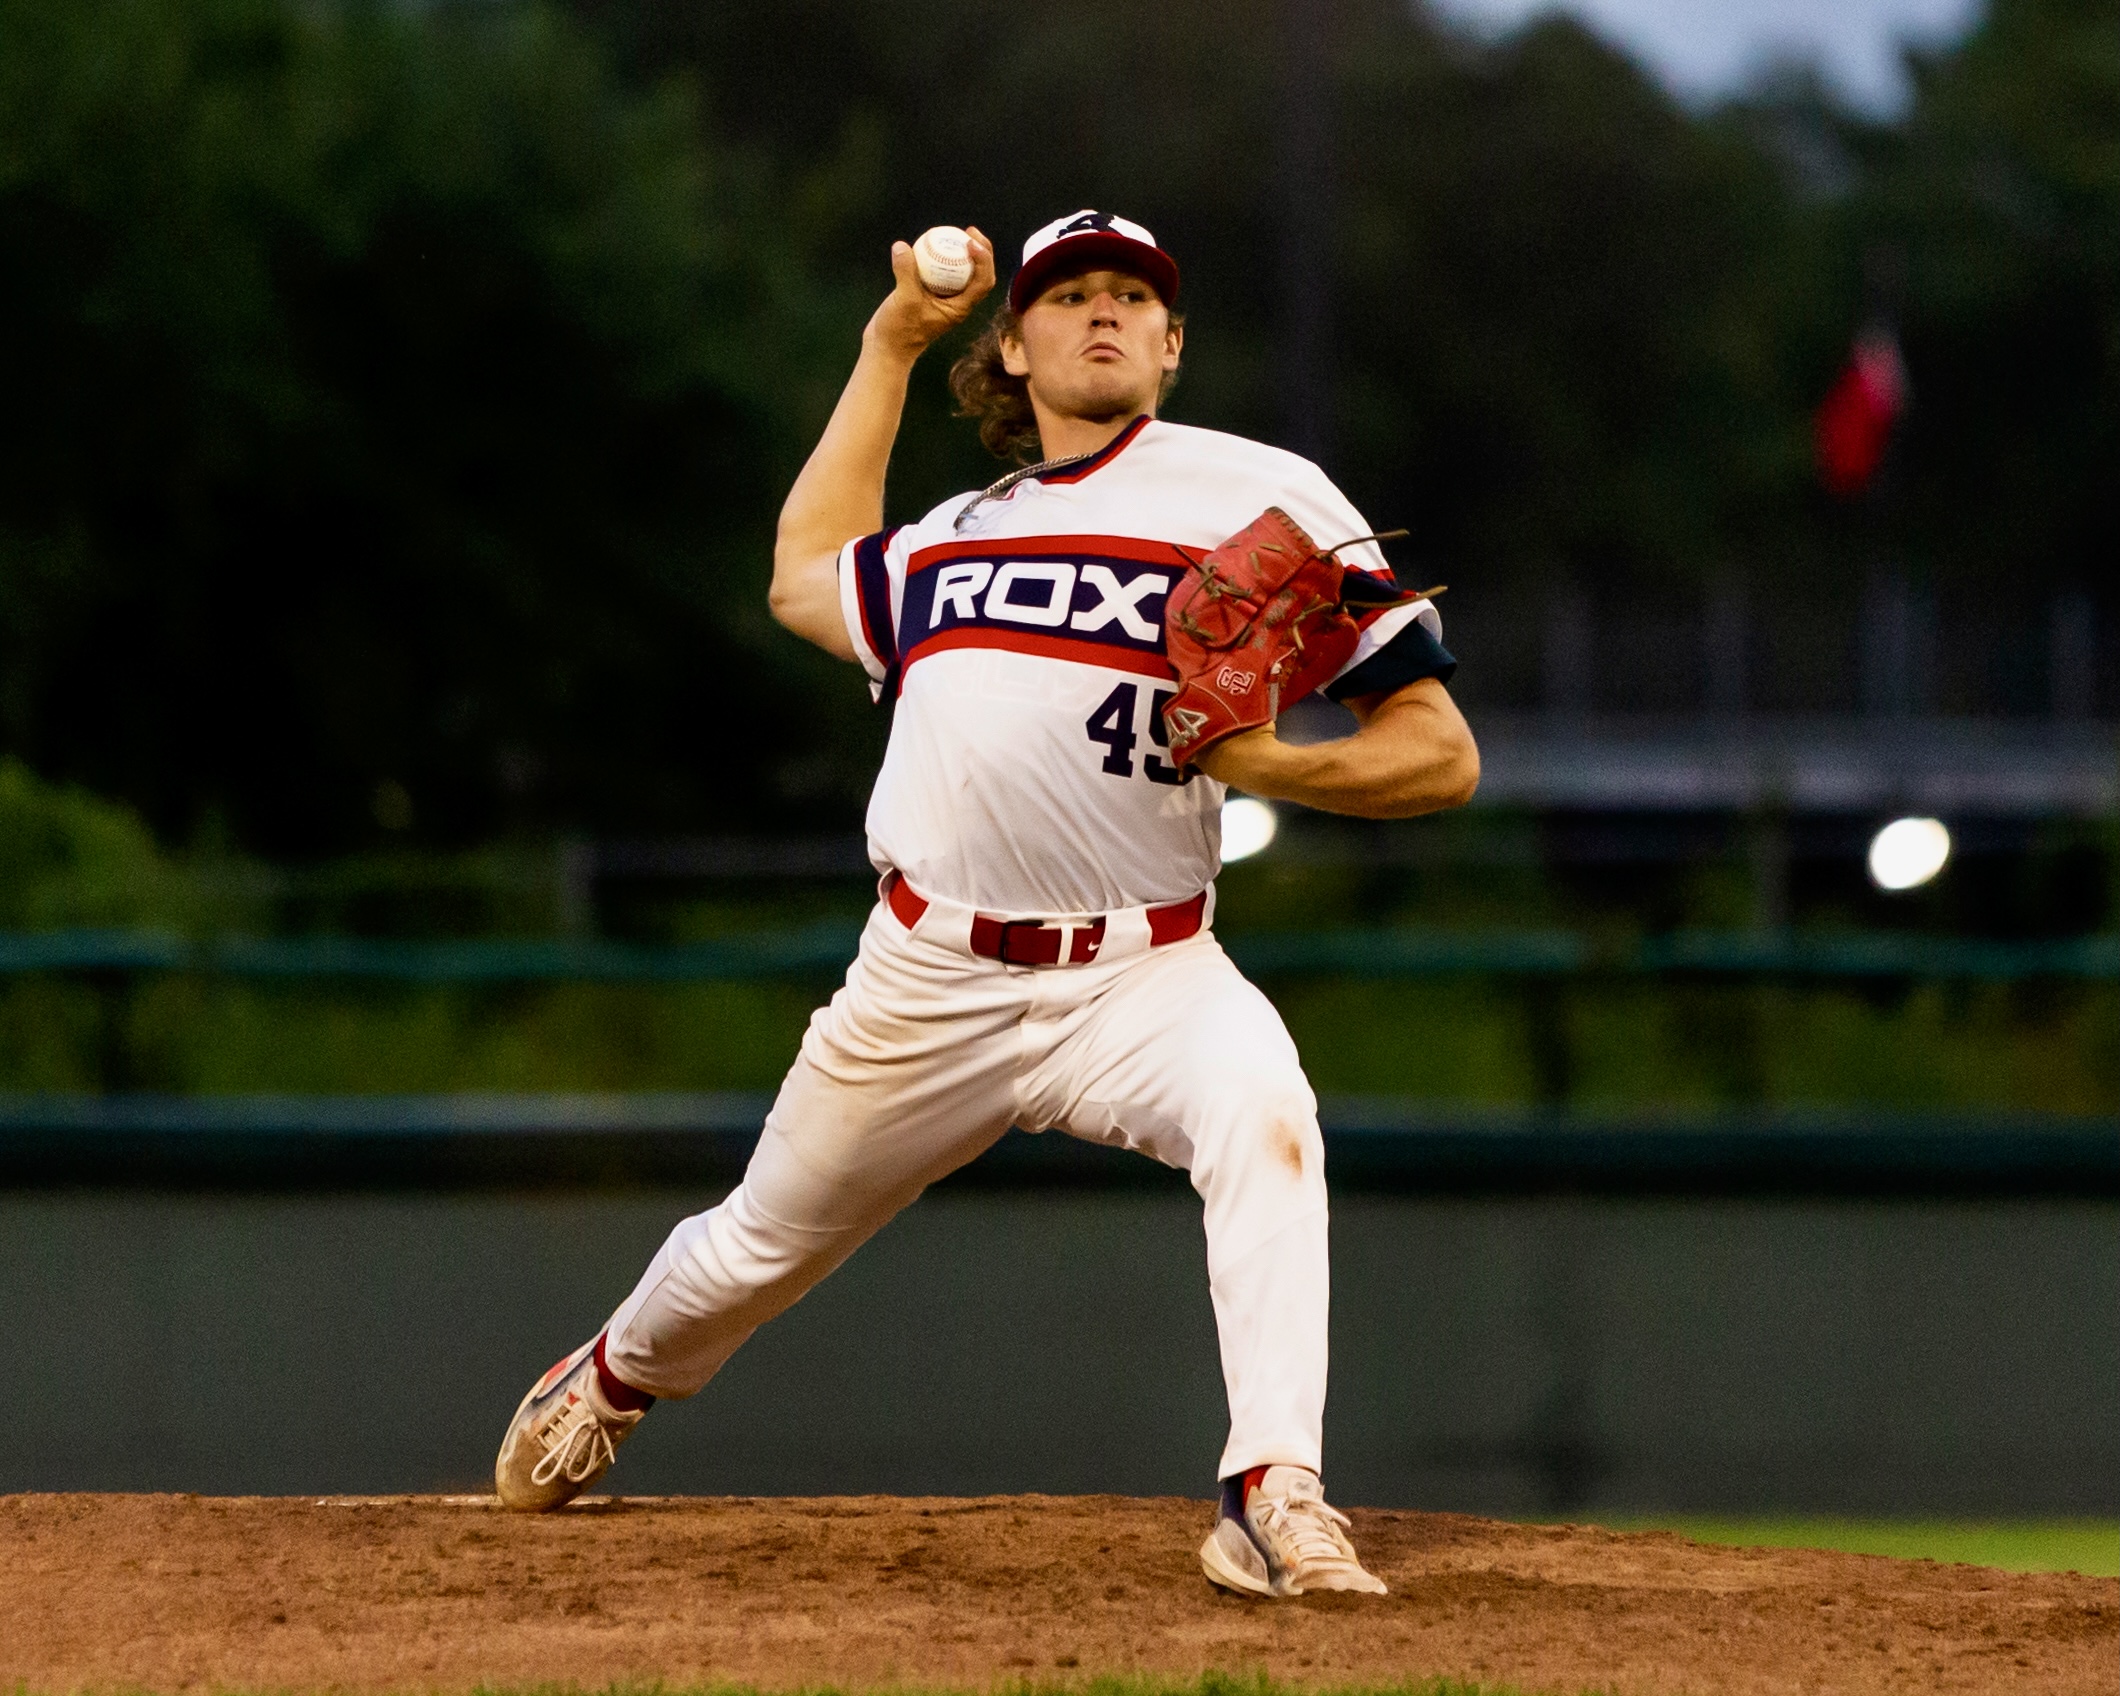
1022 644
1022 641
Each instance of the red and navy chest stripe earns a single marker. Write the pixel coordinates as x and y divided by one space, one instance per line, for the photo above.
1094 599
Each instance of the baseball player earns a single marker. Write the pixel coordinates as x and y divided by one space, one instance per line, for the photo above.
1042 953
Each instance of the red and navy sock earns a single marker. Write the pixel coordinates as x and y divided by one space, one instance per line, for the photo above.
617 1391
1237 1489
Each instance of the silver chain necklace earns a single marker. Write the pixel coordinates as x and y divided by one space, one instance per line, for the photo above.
1001 485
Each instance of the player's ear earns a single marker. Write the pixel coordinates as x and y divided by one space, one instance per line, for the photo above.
1013 358
1173 346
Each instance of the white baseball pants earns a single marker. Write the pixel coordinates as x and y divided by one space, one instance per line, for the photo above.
927 1056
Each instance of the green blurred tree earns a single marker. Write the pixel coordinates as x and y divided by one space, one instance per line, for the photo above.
74 860
1998 206
400 397
1559 291
389 398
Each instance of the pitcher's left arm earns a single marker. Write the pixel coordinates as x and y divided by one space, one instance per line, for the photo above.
1411 753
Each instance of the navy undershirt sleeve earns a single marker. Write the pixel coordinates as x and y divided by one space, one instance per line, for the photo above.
1407 658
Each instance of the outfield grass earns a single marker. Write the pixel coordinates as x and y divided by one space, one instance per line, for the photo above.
2089 1546
1238 1684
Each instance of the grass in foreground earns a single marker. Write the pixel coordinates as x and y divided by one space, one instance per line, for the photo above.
2090 1546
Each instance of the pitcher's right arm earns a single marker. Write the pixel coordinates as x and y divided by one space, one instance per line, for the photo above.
839 495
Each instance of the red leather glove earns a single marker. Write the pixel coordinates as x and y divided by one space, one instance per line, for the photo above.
1253 628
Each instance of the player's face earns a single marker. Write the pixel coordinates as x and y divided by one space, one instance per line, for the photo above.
1095 346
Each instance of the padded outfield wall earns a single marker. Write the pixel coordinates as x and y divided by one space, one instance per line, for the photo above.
1530 1353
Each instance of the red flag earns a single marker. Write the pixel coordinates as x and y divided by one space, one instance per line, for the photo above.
1854 422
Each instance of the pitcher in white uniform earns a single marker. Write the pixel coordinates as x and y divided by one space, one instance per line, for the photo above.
1042 952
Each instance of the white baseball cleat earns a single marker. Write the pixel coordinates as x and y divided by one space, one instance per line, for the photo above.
562 1439
1285 1541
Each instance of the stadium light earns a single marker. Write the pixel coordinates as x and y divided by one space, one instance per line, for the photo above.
1247 827
1908 852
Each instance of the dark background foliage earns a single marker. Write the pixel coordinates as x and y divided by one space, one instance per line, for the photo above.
400 399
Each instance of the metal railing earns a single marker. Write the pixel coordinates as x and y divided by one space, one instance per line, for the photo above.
826 947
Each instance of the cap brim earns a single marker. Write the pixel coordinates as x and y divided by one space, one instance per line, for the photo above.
1092 250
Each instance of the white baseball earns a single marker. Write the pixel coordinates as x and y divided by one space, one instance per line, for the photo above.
943 257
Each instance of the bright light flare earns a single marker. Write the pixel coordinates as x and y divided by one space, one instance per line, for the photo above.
1908 852
1247 827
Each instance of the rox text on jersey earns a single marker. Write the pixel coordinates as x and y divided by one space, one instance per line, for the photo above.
1094 599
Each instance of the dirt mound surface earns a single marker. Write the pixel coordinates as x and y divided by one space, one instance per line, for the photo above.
161 1593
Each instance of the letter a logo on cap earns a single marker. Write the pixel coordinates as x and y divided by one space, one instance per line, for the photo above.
1084 241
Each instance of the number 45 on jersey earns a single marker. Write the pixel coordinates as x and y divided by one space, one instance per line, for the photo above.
1113 725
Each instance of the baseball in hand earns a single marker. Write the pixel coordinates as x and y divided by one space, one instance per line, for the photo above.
943 257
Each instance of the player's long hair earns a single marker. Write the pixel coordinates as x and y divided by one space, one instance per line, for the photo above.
1008 429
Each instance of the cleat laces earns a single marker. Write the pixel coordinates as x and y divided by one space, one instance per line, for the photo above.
1307 1530
582 1450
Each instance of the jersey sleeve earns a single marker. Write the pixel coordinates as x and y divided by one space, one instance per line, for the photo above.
871 597
1399 645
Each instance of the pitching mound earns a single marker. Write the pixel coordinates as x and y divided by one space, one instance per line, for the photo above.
159 1593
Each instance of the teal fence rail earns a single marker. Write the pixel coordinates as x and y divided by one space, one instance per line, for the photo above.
825 949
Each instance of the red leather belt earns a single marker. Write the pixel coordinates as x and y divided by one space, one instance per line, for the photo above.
1039 942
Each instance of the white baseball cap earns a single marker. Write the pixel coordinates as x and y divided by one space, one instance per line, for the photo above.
1081 241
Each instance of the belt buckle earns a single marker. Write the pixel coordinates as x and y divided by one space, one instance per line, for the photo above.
1072 944
1012 929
